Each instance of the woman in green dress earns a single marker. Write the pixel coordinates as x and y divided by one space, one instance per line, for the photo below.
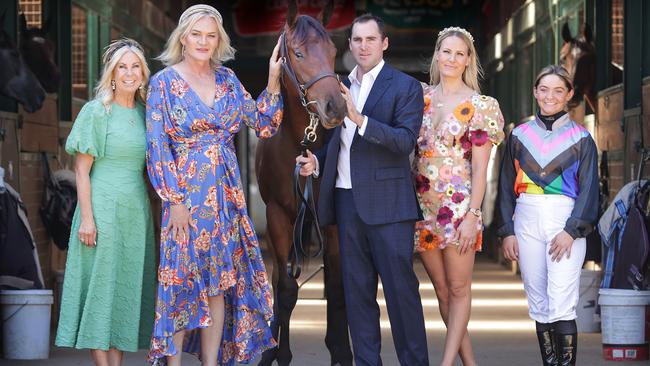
108 291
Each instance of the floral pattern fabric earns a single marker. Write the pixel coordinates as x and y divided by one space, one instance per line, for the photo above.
191 160
442 166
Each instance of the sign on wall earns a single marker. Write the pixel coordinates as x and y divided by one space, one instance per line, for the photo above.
255 18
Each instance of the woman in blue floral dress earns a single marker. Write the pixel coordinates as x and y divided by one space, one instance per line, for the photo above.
211 275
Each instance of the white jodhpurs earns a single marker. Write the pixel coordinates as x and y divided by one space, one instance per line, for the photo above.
552 287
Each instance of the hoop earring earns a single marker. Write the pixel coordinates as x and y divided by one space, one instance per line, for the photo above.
113 84
183 51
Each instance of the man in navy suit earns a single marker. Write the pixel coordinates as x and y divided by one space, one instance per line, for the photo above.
367 190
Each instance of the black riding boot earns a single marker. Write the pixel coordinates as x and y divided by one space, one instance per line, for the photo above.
546 339
566 338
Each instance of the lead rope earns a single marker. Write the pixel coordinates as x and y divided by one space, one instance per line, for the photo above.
306 205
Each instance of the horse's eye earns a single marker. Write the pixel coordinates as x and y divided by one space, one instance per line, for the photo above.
299 54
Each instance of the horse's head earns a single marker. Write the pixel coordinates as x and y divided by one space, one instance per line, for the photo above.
16 81
38 51
578 57
310 55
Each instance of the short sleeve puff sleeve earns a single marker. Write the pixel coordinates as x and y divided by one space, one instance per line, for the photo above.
487 122
88 134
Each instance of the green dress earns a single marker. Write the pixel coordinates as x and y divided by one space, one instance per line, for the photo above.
108 291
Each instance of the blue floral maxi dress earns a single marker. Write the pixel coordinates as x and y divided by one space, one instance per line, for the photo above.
191 160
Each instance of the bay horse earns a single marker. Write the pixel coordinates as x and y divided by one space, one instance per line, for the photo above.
309 55
17 81
578 57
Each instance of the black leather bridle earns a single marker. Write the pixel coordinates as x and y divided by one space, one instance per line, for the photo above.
304 196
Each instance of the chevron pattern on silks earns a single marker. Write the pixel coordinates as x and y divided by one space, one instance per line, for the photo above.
547 162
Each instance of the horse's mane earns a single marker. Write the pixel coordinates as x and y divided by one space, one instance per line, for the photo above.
303 27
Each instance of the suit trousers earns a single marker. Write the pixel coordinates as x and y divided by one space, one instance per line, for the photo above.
552 288
384 251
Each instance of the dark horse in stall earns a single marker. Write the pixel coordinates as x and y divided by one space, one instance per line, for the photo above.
27 71
310 56
39 52
578 56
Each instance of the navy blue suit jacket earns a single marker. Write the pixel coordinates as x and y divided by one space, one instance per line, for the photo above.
382 185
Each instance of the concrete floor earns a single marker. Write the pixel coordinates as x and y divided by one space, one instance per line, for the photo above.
502 333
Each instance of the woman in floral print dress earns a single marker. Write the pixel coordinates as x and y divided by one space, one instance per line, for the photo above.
459 128
211 275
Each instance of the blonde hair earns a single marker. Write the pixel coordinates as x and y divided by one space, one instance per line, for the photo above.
472 72
558 71
114 52
173 52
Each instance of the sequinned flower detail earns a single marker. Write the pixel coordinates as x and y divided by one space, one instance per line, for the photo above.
457 197
432 171
444 215
478 137
427 240
464 112
465 143
454 128
450 190
445 172
422 183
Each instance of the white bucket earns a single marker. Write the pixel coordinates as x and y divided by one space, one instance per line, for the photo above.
26 323
622 313
588 321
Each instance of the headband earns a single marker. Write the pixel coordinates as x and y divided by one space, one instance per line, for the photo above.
116 45
456 29
200 8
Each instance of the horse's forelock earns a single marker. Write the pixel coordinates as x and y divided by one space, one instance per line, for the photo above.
305 28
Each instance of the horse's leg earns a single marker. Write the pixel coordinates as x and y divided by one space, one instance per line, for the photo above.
336 338
286 290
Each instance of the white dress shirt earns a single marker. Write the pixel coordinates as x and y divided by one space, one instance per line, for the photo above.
359 91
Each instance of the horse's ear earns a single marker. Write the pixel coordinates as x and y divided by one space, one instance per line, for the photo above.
326 14
587 33
292 13
566 33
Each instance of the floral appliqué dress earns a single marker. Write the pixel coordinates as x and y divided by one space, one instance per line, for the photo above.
443 165
191 160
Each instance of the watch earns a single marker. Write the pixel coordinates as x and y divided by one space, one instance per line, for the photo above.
475 211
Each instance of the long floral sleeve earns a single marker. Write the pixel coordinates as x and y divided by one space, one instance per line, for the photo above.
263 115
161 162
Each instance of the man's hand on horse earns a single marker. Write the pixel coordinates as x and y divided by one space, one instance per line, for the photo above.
352 112
275 70
307 164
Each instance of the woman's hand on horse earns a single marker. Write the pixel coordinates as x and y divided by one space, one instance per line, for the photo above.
275 70
88 232
511 248
561 245
307 164
179 223
352 112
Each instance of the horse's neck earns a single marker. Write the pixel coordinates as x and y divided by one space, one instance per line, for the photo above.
295 118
